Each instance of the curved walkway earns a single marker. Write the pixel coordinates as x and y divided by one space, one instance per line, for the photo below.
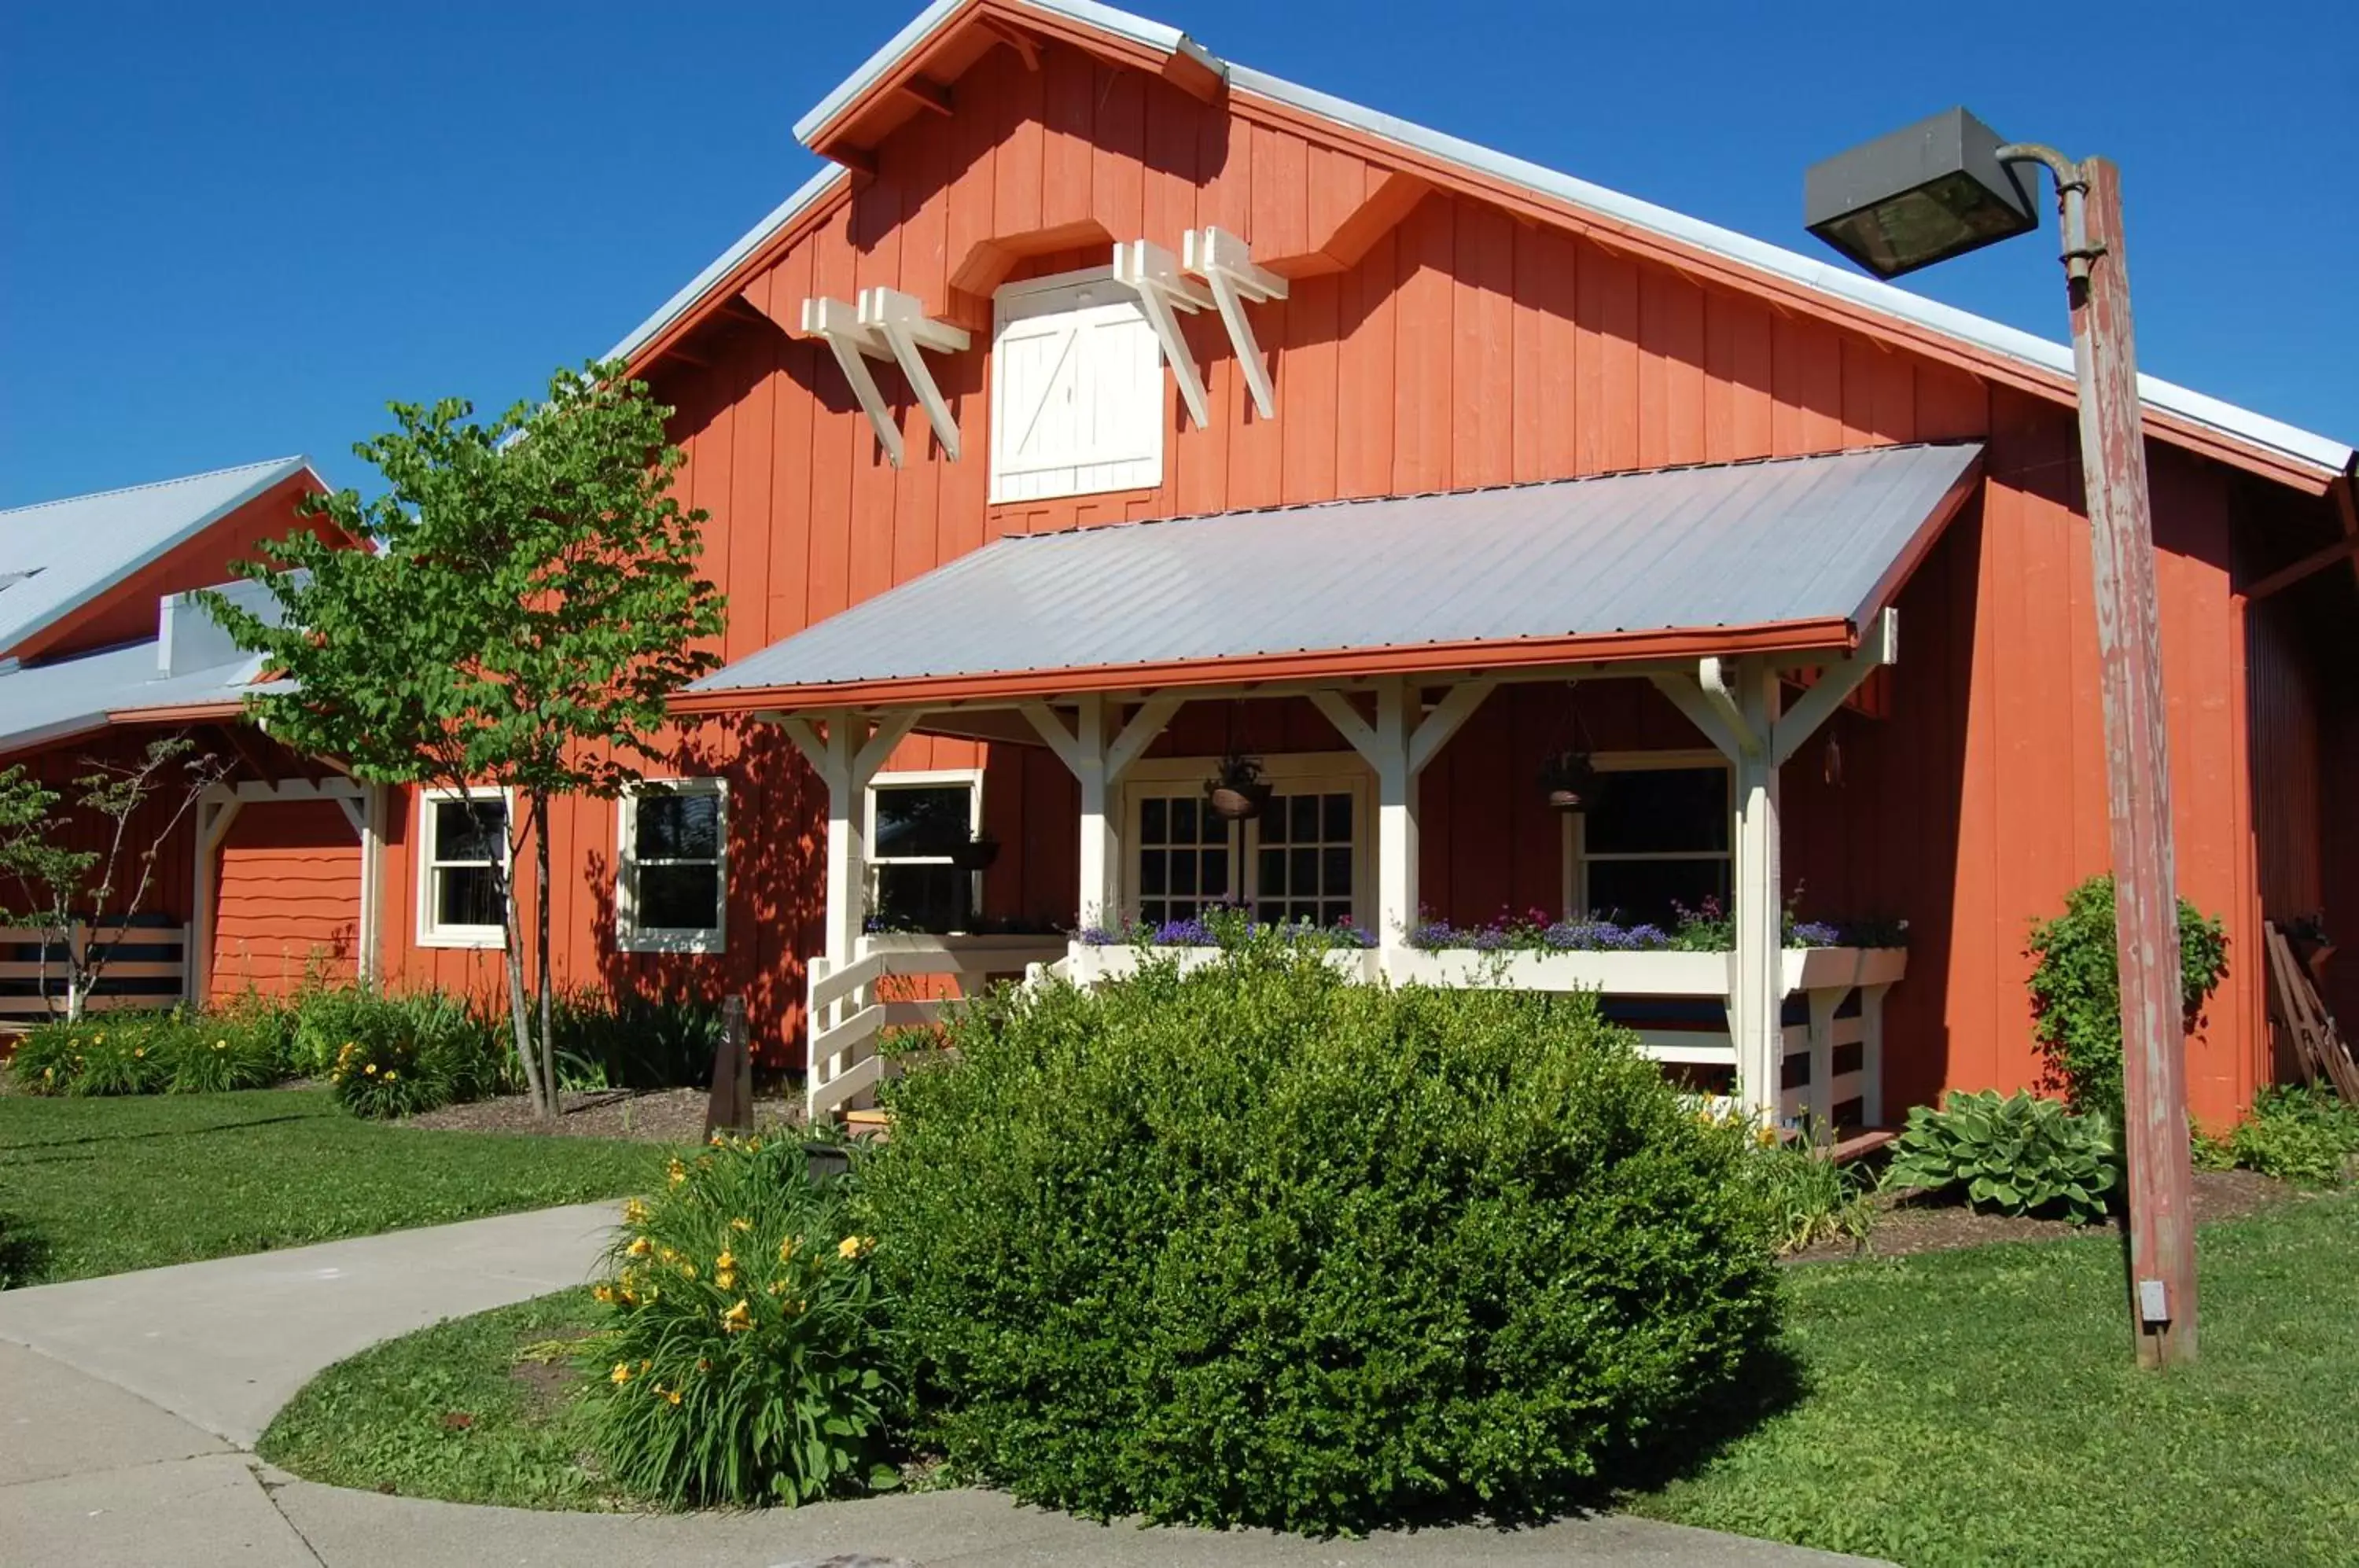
131 1403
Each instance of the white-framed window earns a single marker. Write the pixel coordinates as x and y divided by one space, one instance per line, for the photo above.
462 851
671 888
915 821
1076 389
1305 858
1658 837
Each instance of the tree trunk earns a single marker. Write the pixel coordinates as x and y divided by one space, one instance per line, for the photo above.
540 918
519 1010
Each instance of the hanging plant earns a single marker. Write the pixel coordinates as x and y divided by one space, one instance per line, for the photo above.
1237 793
1571 780
976 854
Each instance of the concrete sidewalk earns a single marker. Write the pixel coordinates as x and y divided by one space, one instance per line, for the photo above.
132 1402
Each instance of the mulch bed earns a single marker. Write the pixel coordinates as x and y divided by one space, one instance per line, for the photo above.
651 1115
1904 1227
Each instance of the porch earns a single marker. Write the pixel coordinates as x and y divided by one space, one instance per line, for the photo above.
1751 601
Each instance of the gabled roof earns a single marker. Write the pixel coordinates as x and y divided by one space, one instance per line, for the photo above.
1786 553
1861 301
43 705
57 555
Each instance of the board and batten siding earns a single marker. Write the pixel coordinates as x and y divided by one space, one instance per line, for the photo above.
1465 346
289 900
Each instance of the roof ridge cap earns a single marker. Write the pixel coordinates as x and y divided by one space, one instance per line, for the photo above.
297 459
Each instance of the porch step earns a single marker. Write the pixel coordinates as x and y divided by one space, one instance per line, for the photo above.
1861 1142
869 1123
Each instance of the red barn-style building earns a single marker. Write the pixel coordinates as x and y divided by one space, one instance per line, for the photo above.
1107 409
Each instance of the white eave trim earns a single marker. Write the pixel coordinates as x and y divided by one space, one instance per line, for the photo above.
686 300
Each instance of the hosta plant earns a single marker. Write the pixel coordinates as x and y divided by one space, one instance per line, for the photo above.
742 1363
2010 1155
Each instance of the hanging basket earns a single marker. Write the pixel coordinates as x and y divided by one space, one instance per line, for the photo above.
1237 793
1571 781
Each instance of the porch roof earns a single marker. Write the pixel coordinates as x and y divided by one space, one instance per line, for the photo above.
1777 555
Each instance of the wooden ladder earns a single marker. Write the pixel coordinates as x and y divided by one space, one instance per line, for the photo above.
2294 1003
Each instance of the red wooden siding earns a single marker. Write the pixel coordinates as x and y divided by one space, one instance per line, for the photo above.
289 899
1462 344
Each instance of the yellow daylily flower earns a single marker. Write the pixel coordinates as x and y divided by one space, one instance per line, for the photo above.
621 1373
737 1319
640 1247
741 1226
853 1247
634 1212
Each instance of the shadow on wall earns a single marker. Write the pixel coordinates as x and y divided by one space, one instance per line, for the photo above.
776 838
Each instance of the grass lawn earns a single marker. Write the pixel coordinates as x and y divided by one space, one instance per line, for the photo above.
1965 1407
102 1185
474 1409
1982 1407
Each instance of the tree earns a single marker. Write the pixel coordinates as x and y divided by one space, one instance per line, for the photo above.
101 890
525 600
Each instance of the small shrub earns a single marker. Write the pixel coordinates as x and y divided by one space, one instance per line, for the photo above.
1256 1244
113 1054
2076 995
1807 1196
742 1366
2013 1155
633 1042
235 1050
404 1054
2297 1134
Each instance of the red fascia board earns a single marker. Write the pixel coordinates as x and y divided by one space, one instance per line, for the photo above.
1338 664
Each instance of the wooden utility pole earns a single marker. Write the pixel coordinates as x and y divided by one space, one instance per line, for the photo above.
2137 756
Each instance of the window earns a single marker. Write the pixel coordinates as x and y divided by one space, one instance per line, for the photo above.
673 892
914 821
1076 389
1302 860
463 849
1656 839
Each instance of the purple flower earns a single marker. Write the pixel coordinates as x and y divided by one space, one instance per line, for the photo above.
1816 933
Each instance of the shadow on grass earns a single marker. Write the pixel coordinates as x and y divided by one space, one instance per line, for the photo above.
24 1254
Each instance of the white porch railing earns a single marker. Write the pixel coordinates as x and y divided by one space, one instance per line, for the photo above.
1821 1070
848 1009
30 990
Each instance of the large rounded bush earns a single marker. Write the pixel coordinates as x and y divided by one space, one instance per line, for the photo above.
1256 1244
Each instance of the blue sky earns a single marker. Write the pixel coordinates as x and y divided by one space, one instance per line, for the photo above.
233 232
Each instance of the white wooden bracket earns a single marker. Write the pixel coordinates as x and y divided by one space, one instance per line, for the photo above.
1424 741
1163 289
1153 716
901 320
1226 265
1836 682
855 343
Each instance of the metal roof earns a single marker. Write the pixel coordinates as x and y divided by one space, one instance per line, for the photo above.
1737 545
47 702
64 553
1825 277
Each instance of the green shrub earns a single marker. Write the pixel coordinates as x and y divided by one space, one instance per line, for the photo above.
2076 997
404 1054
2297 1134
743 1365
633 1042
240 1047
1258 1243
2013 1155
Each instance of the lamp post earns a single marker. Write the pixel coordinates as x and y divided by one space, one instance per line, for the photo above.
1939 189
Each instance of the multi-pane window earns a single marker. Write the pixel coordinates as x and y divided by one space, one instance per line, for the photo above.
673 891
1305 858
914 826
464 846
1185 855
1300 861
1656 840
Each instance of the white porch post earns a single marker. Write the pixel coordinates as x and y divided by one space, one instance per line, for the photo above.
1736 704
215 813
1098 757
1757 991
1396 748
1100 898
1396 817
846 759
